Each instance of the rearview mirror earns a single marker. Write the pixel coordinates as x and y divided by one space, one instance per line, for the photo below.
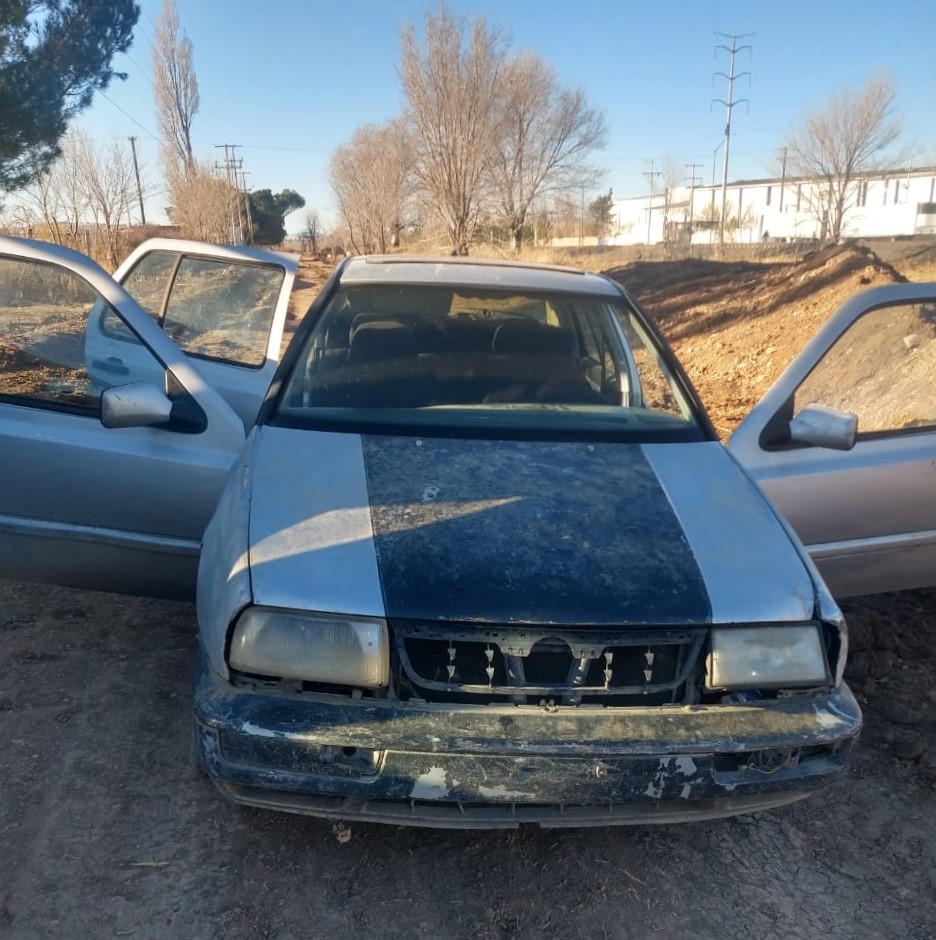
824 427
136 405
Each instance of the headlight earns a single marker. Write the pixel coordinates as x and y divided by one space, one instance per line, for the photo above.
765 657
311 647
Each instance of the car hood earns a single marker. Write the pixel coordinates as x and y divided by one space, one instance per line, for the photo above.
517 532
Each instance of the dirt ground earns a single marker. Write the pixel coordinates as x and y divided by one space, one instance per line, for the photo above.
105 832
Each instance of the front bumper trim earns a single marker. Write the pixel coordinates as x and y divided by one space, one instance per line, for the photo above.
499 766
431 815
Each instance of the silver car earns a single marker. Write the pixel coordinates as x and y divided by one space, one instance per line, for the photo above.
480 559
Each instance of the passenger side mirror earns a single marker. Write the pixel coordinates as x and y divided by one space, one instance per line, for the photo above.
137 405
820 426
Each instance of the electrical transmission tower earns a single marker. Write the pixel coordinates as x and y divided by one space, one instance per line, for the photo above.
731 77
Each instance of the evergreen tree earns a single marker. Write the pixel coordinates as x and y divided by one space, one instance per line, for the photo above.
54 54
268 212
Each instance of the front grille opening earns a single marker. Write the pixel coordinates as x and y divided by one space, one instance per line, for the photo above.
550 662
484 665
433 659
650 666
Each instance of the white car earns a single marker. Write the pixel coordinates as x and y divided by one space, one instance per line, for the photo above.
480 559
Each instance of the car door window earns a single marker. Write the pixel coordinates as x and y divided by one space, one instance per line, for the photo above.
880 369
148 283
223 310
211 309
45 358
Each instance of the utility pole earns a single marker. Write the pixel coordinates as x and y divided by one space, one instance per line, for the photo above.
783 177
730 77
693 182
136 170
243 176
650 176
582 220
231 166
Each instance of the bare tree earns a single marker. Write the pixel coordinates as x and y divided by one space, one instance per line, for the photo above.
204 205
672 175
175 87
543 135
42 201
313 228
109 183
58 195
566 215
20 219
451 81
840 140
86 188
371 179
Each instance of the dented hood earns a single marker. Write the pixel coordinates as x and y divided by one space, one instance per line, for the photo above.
517 532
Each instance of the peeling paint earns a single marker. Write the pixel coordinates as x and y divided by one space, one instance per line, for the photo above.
432 785
686 766
259 730
500 792
825 719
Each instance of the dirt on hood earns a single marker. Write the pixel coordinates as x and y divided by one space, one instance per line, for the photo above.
736 326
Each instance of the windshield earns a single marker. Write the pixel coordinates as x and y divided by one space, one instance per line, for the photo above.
428 357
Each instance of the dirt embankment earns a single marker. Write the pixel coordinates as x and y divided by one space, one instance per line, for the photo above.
736 326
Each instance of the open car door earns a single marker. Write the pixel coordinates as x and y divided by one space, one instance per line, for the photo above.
844 443
224 306
108 477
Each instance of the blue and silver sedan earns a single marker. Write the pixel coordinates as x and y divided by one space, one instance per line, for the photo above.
484 562
478 557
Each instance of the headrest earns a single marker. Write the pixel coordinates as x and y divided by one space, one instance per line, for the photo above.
531 339
381 339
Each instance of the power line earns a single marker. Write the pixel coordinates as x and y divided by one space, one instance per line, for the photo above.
145 130
286 149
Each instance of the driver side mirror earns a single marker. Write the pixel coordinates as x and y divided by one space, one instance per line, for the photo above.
137 405
820 426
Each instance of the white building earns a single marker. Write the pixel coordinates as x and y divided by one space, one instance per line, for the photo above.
878 204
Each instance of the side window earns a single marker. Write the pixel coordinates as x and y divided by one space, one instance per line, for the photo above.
657 389
223 310
880 369
599 363
46 359
147 283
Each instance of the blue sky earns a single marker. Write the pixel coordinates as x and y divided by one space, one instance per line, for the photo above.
290 80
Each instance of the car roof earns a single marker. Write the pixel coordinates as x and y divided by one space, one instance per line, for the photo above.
475 273
232 252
